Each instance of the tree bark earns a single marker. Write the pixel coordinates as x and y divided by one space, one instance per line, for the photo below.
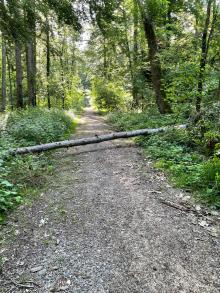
31 55
62 81
31 73
155 65
48 62
90 140
10 83
156 74
130 61
19 75
218 90
204 53
105 61
136 101
3 102
63 72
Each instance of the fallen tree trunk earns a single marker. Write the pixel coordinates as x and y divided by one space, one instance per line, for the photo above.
89 140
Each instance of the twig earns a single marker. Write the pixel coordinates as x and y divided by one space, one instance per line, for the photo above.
175 206
21 285
155 191
32 282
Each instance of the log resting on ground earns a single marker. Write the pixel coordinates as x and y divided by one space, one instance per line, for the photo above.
90 140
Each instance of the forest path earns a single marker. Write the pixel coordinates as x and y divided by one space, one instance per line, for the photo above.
100 227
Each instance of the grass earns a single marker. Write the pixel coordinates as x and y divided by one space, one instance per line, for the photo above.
177 152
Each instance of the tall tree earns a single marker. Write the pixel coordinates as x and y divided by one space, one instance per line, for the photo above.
135 53
48 61
206 38
10 82
3 102
155 65
30 11
19 75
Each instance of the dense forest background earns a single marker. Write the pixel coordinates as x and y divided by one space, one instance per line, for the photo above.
151 62
129 54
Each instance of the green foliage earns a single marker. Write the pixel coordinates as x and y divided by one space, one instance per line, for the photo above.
107 95
174 152
9 195
19 174
28 171
35 126
152 119
75 95
156 8
66 12
211 141
210 181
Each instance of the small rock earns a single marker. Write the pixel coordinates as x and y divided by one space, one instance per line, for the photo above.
36 269
64 288
214 232
180 195
42 272
203 223
198 208
186 198
43 222
17 232
214 213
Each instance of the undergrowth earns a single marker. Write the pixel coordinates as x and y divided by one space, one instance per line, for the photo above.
36 126
20 175
184 155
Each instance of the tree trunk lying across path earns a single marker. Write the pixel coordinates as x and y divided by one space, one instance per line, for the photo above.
90 140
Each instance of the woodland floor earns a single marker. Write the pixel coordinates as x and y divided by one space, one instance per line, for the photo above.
105 224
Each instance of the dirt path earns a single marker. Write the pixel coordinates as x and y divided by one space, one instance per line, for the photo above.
101 227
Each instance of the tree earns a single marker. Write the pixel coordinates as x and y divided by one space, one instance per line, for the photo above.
30 19
206 38
19 75
48 61
3 102
155 65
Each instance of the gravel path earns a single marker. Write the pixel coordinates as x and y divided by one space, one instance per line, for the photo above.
104 224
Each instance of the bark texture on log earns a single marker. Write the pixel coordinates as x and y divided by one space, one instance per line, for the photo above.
90 140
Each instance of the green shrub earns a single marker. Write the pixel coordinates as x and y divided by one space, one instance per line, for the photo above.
107 96
9 195
132 120
75 95
36 126
19 174
211 171
211 141
177 152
